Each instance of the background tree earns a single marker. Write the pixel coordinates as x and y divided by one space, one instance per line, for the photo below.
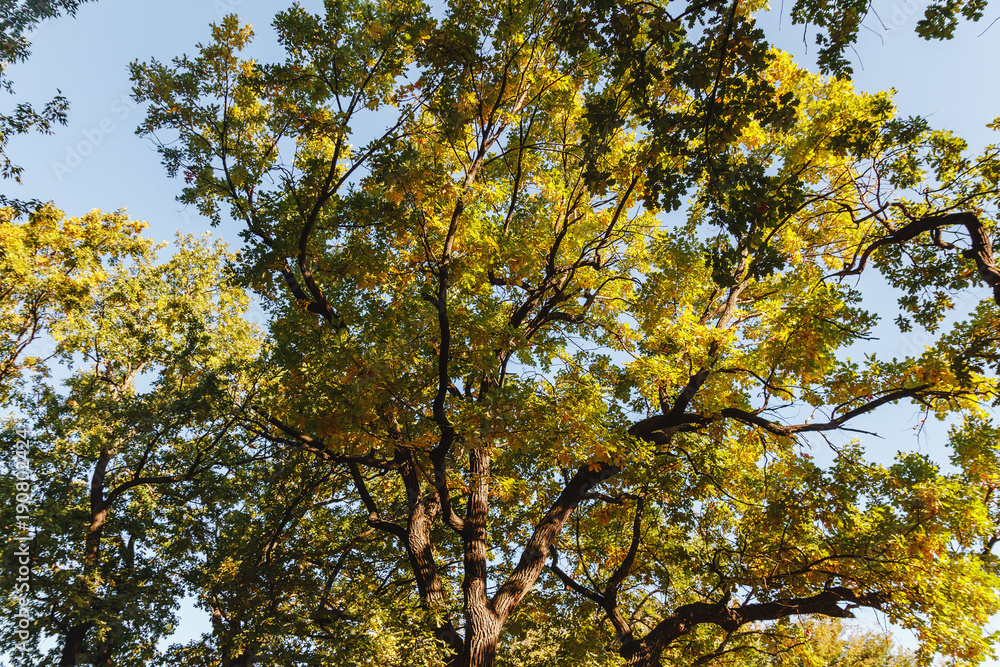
155 358
48 265
834 643
289 574
802 643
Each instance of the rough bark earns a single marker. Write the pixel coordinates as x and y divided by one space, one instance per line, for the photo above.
482 625
539 546
420 550
485 617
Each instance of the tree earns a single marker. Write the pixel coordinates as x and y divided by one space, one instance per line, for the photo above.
834 644
571 417
289 575
799 643
49 268
155 352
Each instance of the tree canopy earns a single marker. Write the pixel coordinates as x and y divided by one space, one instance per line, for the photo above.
567 362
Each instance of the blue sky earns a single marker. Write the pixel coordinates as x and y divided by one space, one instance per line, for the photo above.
97 161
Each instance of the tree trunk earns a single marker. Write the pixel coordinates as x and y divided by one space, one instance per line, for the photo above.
482 634
102 654
482 623
247 658
640 658
73 644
